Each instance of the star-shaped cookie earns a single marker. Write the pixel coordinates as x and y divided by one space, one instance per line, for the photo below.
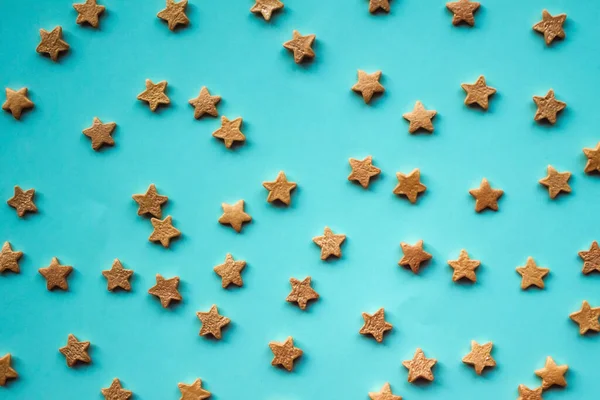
300 46
463 11
480 356
205 103
409 185
6 371
478 93
154 94
532 275
548 107
234 215
551 27
376 5
230 131
285 353
16 102
593 162
117 276
88 12
591 258
22 201
193 391
329 243
280 189
556 182
166 290
368 85
529 394
9 260
230 271
413 256
266 7
419 367
375 325
212 322
302 292
100 133
56 275
151 202
52 43
588 318
363 170
420 118
464 267
75 351
174 14
552 374
485 196
116 391
164 231
384 394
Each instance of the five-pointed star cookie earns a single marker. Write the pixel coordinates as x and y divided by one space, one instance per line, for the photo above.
529 394
409 185
150 202
16 102
22 201
485 196
464 267
52 43
384 394
375 325
419 367
166 290
363 170
6 371
368 85
280 189
532 275
205 103
212 322
593 162
154 94
413 256
9 260
375 5
117 276
116 391
230 131
591 258
56 275
478 93
301 46
174 14
234 215
552 374
266 7
556 182
463 11
548 107
285 353
301 292
164 231
480 356
420 118
75 351
100 133
230 271
551 27
193 391
88 12
588 318
329 243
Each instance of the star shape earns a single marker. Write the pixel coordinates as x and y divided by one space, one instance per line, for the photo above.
56 275
22 201
193 391
302 292
420 118
75 351
88 12
413 256
285 353
532 275
552 374
556 182
212 322
116 391
230 271
368 84
154 94
234 215
591 258
363 170
16 102
478 93
375 5
587 318
409 185
52 43
6 372
266 7
480 356
485 196
151 202
375 325
529 394
329 243
548 107
164 231
384 394
117 276
230 131
593 156
9 260
174 14
100 133
166 290
464 267
419 367
301 46
280 189
551 27
463 11
205 103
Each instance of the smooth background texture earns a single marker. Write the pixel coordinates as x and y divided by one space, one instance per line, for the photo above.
306 121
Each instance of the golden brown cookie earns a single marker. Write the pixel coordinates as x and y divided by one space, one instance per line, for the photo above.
205 103
285 353
52 43
116 391
75 351
56 275
302 292
280 189
329 243
6 371
552 374
529 394
230 271
409 185
266 7
556 182
234 215
593 162
384 394
151 202
368 85
22 201
16 102
174 14
117 276
413 256
164 231
587 318
154 94
88 12
480 356
193 391
212 322
548 107
375 325
100 133
375 5
485 196
551 27
463 11
420 118
591 258
166 290
363 170
478 93
419 367
230 131
532 275
300 46
9 260
464 267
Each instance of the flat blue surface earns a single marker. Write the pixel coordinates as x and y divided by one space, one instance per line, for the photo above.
306 121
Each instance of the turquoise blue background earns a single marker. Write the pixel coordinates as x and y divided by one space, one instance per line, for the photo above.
306 121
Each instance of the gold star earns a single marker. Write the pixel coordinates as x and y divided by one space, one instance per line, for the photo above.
212 322
419 367
285 353
75 351
88 12
420 118
375 325
22 201
6 372
591 258
463 11
587 318
384 394
532 275
368 84
116 391
100 133
164 231
52 43
529 394
193 391
409 185
230 131
464 267
485 196
556 182
280 189
375 5
150 202
154 94
329 243
363 170
301 292
205 103
548 107
16 102
480 356
174 14
593 162
56 275
478 93
552 374
234 215
9 260
551 27
230 271
413 256
166 290
301 46
117 276
266 7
